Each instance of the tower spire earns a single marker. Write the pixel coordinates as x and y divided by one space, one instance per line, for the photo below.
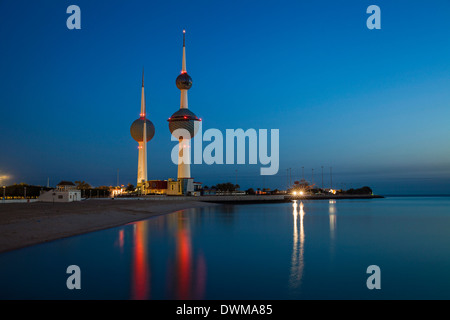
142 97
183 67
144 134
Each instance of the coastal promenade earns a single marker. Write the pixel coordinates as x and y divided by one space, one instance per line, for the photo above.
243 199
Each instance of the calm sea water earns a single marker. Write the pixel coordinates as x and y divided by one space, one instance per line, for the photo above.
302 250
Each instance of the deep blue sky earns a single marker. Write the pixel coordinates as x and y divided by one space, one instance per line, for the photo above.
373 104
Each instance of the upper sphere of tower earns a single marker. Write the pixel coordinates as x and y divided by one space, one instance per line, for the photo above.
184 81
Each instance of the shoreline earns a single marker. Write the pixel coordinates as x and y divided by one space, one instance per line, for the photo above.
27 224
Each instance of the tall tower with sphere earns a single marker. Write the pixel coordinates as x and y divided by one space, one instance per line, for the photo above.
141 128
184 124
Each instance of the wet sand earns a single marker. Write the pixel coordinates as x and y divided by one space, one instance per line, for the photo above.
25 224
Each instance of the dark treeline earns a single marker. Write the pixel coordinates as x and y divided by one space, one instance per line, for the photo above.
227 186
87 191
364 190
95 192
21 190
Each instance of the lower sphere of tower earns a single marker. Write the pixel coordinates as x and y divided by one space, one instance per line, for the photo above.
183 129
137 130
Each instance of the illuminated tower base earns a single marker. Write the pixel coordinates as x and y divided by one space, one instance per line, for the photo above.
184 169
142 164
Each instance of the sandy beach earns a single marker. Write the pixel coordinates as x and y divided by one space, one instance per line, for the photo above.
25 224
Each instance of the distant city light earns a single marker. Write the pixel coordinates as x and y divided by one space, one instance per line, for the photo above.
294 193
3 178
332 191
301 193
117 191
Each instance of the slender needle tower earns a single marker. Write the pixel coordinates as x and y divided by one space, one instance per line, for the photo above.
183 124
141 128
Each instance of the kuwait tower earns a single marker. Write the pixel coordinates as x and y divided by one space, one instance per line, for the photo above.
183 124
141 128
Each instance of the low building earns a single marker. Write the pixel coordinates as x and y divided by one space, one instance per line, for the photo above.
65 191
157 187
183 187
174 188
197 189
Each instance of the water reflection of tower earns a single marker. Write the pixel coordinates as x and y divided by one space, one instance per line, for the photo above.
140 282
297 259
187 276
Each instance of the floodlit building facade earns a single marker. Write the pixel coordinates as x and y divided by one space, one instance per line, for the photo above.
65 191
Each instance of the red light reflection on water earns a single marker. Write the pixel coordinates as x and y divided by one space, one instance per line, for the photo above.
140 286
121 239
187 276
186 271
